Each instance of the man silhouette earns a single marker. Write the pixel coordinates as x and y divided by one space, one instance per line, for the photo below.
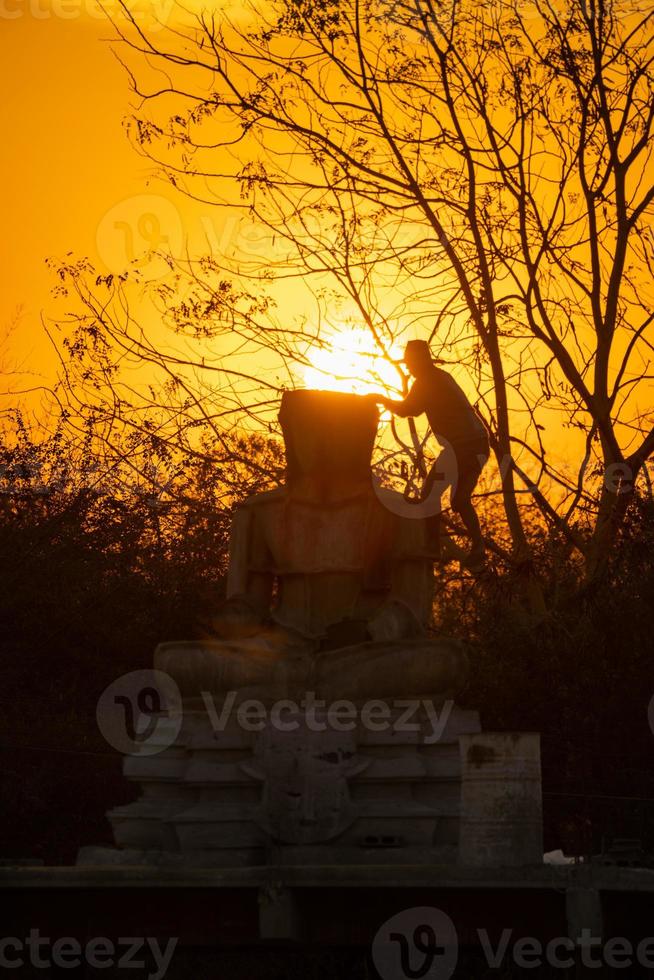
458 428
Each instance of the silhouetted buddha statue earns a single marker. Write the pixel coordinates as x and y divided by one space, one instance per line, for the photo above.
329 590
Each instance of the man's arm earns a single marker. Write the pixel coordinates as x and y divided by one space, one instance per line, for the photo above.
409 406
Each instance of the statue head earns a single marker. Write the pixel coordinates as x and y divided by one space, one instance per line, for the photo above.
329 438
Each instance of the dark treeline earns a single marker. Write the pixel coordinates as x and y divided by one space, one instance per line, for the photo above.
99 565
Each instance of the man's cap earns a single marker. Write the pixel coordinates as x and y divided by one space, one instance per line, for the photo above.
419 347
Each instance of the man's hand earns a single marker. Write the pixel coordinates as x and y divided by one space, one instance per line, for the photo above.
378 399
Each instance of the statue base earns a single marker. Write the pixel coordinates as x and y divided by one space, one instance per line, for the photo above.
413 781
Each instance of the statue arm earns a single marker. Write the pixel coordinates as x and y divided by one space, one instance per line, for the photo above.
239 552
248 577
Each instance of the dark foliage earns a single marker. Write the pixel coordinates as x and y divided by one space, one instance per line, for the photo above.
580 674
95 573
94 576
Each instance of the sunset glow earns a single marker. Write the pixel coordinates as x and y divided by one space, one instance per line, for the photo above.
353 363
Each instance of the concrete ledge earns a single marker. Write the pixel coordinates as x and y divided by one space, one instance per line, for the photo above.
327 876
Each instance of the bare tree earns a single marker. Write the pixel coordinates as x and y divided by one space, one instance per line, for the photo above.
478 173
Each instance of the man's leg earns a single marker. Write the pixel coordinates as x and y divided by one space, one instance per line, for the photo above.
470 467
436 475
434 486
462 504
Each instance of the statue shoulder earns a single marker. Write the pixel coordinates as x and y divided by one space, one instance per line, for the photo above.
264 499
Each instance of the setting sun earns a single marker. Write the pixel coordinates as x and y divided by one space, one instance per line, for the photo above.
353 363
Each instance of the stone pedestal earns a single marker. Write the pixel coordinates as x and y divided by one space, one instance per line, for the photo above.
235 797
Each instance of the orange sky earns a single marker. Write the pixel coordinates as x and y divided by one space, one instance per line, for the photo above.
70 179
65 159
